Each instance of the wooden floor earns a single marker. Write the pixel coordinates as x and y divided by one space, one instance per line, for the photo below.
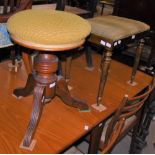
14 114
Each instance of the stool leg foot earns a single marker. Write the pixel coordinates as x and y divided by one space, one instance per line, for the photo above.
27 90
45 66
35 115
137 59
63 92
105 65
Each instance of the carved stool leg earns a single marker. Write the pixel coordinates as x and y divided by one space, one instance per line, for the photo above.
27 90
63 92
36 112
29 87
105 65
45 66
137 59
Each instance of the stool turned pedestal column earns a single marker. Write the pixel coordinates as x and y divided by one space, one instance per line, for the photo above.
63 31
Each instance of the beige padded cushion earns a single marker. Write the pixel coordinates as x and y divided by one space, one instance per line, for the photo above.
48 27
113 28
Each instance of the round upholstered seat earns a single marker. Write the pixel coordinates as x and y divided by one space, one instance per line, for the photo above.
49 29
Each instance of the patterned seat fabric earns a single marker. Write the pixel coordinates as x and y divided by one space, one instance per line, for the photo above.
48 27
4 36
113 28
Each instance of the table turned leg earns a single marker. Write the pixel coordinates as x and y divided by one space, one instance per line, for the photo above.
137 59
105 65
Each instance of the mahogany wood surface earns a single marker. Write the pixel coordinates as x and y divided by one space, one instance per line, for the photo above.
61 125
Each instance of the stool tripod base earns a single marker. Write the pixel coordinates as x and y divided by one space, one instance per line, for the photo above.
45 85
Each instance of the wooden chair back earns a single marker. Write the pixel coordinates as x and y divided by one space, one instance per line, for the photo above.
128 107
9 7
60 5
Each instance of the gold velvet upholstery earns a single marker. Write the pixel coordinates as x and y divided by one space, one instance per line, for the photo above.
48 27
113 28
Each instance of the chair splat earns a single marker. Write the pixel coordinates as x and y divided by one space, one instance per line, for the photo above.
129 107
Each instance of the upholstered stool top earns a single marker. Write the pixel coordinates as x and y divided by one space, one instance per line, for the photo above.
113 28
48 28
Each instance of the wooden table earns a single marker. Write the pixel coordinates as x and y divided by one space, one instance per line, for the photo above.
60 126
